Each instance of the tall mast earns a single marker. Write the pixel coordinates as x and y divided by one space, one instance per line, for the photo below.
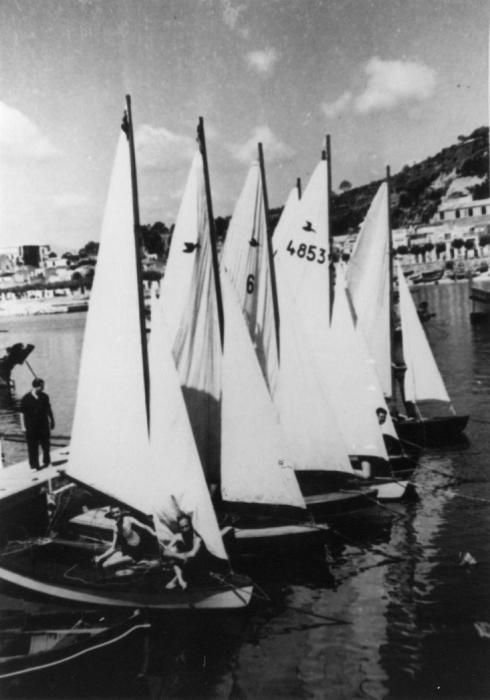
212 230
269 244
390 282
331 266
127 127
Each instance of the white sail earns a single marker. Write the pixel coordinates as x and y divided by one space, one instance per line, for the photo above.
304 395
254 463
189 300
301 261
178 484
423 381
368 280
109 444
246 259
283 227
356 398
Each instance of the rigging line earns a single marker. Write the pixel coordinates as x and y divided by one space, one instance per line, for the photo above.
480 420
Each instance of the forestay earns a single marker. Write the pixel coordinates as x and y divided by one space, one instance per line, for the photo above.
188 295
109 445
246 260
254 462
178 484
368 280
423 381
355 395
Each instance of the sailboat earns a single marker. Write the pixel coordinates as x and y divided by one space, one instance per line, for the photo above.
358 398
149 467
316 445
424 392
255 491
370 284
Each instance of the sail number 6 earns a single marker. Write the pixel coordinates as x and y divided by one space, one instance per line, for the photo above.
310 252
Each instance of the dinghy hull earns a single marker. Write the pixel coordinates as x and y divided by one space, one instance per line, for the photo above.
52 571
432 431
33 646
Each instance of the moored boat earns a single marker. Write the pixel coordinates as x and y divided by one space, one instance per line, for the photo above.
137 455
35 645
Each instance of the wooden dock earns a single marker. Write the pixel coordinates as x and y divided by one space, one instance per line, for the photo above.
19 484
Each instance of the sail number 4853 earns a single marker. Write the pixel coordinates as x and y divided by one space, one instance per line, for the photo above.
309 252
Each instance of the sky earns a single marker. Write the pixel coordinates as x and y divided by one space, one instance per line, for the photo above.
392 82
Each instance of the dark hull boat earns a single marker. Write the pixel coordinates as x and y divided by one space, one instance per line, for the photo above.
432 431
35 646
49 568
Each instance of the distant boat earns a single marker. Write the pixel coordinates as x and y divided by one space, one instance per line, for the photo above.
147 464
33 645
407 369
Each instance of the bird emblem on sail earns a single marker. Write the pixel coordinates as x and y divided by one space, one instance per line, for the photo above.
190 247
308 226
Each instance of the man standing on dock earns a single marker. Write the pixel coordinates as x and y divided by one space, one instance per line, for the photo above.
38 422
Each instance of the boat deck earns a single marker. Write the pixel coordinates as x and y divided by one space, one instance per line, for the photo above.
19 483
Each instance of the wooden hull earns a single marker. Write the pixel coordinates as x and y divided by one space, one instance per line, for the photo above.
57 571
43 643
432 431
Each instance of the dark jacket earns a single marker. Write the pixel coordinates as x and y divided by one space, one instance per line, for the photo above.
38 416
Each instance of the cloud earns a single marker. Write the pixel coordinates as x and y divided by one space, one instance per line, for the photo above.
231 16
161 149
275 150
390 83
21 139
333 109
262 62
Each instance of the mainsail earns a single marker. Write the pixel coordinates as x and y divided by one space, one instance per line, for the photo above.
246 260
254 464
423 381
178 481
356 398
368 280
188 296
109 444
304 395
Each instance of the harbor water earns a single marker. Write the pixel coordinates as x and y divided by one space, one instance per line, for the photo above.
387 610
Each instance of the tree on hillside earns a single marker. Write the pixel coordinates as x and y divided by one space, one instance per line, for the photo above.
440 248
427 248
345 186
456 245
469 244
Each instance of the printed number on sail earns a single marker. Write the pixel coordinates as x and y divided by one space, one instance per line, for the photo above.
309 252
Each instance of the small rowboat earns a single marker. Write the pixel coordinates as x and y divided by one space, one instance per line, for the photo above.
31 644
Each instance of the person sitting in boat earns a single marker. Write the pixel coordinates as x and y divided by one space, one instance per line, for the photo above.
392 445
133 541
185 549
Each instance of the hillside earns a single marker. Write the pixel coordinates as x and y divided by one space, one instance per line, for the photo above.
417 189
